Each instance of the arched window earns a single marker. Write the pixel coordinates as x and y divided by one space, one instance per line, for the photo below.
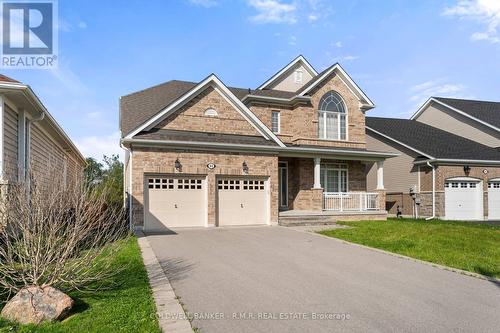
332 117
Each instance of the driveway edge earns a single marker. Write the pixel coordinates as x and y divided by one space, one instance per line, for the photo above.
169 312
401 256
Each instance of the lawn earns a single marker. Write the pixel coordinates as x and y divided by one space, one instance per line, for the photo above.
468 246
127 308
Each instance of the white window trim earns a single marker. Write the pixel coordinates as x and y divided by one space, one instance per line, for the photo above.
279 122
339 137
338 167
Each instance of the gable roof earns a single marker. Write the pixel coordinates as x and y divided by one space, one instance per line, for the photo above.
484 112
213 81
429 141
348 81
300 59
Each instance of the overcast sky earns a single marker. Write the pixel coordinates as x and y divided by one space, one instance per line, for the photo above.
399 52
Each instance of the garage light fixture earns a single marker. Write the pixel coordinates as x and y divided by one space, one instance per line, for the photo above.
178 165
245 167
467 169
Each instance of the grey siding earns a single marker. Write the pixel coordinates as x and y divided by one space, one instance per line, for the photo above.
10 139
440 117
47 157
399 172
287 82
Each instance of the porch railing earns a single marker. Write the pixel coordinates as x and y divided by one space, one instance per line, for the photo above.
350 201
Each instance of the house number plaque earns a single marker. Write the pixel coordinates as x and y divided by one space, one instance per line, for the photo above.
211 166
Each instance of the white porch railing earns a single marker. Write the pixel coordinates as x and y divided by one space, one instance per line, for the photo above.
350 201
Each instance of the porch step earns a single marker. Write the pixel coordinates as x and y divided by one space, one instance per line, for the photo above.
308 220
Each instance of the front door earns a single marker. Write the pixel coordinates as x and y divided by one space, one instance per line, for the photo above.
283 184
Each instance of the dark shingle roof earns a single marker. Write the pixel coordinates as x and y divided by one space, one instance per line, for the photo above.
176 135
432 141
138 107
4 78
486 111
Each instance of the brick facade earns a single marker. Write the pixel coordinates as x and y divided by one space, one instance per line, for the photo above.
191 117
153 161
444 172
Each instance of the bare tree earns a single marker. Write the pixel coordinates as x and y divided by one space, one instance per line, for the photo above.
57 235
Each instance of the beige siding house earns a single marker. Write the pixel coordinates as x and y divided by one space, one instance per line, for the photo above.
31 140
293 150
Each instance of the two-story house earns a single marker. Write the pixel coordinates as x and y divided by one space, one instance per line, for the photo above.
205 154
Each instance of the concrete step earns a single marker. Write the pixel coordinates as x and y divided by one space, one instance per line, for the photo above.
293 221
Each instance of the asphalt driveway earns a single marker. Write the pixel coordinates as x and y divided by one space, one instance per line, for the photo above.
274 279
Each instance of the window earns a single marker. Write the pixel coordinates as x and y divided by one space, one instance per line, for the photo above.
276 122
298 76
332 117
334 177
211 112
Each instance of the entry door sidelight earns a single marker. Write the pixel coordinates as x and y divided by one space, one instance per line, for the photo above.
283 184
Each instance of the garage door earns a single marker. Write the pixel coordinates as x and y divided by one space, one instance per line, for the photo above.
463 200
242 201
175 202
494 200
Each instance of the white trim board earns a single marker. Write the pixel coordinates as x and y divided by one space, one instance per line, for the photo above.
351 85
299 59
211 81
433 99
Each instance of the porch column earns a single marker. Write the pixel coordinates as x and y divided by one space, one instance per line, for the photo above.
317 172
380 175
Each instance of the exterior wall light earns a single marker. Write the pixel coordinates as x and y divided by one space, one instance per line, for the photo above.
178 165
467 169
245 167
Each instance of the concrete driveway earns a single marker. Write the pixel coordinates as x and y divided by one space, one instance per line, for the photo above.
274 279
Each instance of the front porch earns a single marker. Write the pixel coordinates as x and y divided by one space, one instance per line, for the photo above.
323 191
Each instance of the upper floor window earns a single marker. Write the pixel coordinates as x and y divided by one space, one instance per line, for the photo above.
276 121
332 117
298 76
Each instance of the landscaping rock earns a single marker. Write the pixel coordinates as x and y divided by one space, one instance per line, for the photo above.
33 305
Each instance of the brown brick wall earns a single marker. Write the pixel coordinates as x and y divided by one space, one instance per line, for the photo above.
191 116
300 124
160 161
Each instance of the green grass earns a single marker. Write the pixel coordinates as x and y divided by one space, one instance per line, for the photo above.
128 307
468 246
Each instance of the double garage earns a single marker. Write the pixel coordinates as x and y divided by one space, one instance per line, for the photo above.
173 201
464 199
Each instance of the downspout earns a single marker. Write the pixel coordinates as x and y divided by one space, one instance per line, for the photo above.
433 192
129 187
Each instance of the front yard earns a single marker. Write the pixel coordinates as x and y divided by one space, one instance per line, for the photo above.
468 246
128 307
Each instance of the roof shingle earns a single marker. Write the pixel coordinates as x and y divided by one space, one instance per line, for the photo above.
486 111
432 141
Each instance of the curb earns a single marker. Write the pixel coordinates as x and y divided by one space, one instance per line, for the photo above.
169 312
401 256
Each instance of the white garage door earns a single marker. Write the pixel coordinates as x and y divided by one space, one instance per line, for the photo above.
463 200
242 201
494 200
175 202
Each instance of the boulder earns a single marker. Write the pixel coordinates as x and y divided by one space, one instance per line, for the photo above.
33 305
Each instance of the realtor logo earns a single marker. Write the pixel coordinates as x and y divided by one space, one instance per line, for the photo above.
29 38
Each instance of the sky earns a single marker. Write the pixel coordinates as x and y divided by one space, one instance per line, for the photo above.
400 52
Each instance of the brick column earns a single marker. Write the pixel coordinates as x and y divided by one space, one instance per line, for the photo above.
381 199
316 199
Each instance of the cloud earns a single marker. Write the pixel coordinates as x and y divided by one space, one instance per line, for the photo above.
273 11
204 3
486 12
82 25
338 44
419 93
292 41
348 57
96 146
312 17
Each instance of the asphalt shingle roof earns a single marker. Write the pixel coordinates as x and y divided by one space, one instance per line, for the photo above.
486 111
192 136
138 107
432 141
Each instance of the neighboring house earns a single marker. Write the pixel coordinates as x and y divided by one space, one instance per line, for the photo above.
204 154
474 120
32 143
451 177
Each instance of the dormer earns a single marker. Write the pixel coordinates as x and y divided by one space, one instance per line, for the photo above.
292 77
